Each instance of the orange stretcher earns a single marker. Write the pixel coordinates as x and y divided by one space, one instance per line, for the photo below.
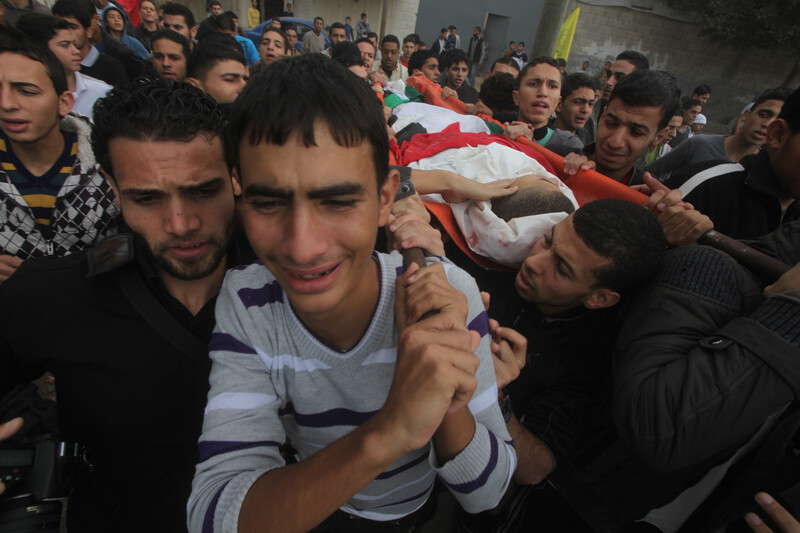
586 185
432 94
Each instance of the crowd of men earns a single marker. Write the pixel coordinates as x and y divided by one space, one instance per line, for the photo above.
188 236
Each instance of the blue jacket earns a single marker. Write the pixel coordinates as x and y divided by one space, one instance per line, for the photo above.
250 52
126 39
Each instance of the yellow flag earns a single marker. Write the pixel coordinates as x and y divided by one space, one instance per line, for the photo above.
566 34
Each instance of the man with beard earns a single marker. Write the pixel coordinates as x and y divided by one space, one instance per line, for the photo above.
389 65
128 321
314 41
171 53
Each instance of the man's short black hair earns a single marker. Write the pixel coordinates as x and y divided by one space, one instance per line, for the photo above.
522 43
511 43
576 81
336 26
319 18
41 27
172 8
418 60
791 111
158 110
547 60
390 39
688 103
227 21
267 29
702 89
291 97
347 54
211 50
213 3
628 235
454 57
411 38
649 88
531 201
366 40
77 10
496 92
451 27
561 62
781 93
173 36
506 60
637 59
15 42
372 35
443 30
363 15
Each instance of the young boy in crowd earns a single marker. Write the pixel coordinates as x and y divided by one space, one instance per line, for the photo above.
320 340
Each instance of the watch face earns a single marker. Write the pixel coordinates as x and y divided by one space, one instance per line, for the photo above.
506 407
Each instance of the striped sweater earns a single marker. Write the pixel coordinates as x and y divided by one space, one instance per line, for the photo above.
271 378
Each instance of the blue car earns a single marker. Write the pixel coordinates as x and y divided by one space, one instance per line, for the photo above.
301 26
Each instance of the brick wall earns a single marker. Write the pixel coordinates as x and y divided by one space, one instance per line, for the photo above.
735 76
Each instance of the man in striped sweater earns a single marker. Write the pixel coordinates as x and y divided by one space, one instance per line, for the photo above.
322 341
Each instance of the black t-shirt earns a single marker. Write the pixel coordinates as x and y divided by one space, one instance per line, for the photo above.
143 35
107 69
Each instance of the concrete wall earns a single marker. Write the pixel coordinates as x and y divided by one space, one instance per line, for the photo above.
735 76
466 14
401 15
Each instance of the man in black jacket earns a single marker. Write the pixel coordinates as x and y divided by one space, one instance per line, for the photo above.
128 321
755 196
476 51
703 370
564 303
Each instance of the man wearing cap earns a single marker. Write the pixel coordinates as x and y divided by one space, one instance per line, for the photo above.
698 124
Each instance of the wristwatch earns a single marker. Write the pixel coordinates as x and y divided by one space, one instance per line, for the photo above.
506 406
